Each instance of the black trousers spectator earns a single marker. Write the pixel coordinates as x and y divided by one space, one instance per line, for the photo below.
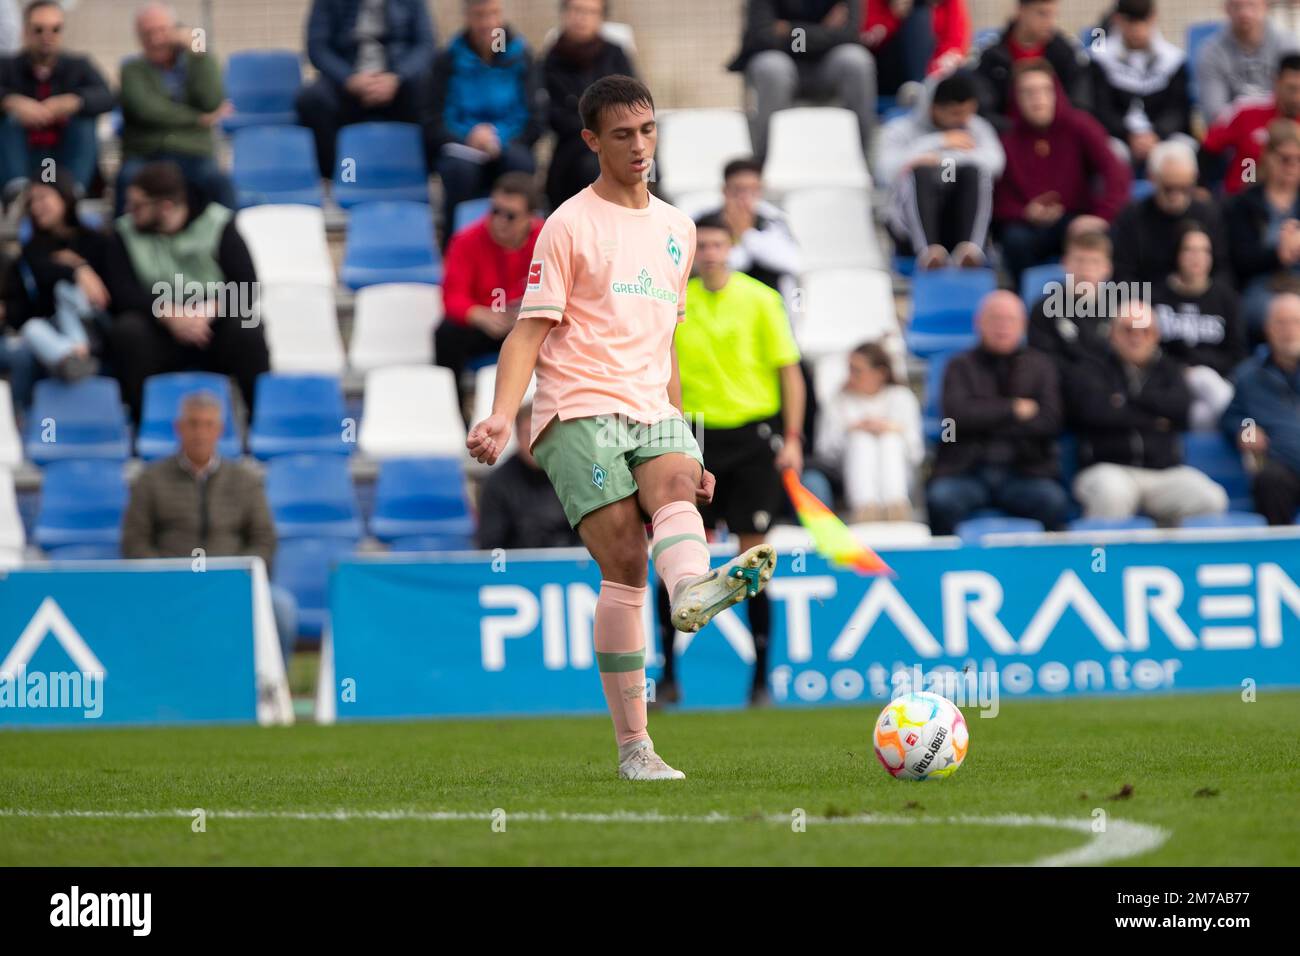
141 345
456 345
938 207
1277 493
573 168
904 58
1025 245
325 108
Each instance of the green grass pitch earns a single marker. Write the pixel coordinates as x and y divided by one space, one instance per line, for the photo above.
1216 775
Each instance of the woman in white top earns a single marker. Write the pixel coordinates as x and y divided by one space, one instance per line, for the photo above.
871 430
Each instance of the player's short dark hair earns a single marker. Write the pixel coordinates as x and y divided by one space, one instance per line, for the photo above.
518 184
161 180
1092 241
713 220
746 164
877 358
1288 63
35 5
608 93
957 87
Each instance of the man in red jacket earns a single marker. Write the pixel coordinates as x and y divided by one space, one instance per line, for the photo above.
486 270
1061 173
913 39
1243 130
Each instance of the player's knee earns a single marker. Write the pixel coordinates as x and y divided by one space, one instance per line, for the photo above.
626 565
680 486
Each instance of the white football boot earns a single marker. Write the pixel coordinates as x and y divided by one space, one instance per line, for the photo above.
696 600
644 764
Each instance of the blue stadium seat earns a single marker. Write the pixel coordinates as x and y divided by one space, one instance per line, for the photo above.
1135 523
275 164
1140 190
1229 519
82 420
469 212
932 409
378 162
1197 34
390 242
298 414
433 542
262 86
421 496
1210 452
311 496
943 309
302 567
162 399
904 266
84 552
81 506
973 530
1035 279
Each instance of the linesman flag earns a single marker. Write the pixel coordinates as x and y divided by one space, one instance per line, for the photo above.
831 537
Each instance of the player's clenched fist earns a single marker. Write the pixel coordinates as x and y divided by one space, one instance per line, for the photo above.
488 438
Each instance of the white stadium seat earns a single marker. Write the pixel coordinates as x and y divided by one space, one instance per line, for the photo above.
393 325
302 329
12 537
695 145
887 534
11 446
814 146
839 309
834 228
287 244
411 411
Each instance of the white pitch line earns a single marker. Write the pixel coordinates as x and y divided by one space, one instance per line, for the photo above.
1120 840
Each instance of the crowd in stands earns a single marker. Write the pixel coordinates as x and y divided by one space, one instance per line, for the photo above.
1159 186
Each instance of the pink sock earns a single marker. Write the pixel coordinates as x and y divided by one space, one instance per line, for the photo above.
620 657
678 546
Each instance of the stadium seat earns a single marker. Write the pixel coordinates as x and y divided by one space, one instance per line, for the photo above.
843 308
694 146
411 411
275 164
887 534
814 147
433 542
699 204
262 86
1197 34
469 212
421 496
1035 279
311 496
11 446
81 420
82 502
162 401
303 567
84 552
943 309
932 404
390 242
1228 519
393 324
301 325
1134 523
13 537
1140 189
1210 453
299 415
380 162
834 229
975 530
287 243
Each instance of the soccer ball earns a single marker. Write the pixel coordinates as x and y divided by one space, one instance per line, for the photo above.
921 735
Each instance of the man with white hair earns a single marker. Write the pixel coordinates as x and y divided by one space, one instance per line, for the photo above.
1146 231
1240 60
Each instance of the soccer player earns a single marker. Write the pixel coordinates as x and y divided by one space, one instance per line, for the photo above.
606 289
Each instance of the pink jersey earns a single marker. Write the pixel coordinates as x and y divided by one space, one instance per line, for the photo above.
614 281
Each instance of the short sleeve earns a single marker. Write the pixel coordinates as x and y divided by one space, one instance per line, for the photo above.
779 343
550 273
688 262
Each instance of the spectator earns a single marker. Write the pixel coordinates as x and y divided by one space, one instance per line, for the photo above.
195 500
1241 132
1263 418
1072 320
1200 326
940 162
1146 232
485 116
1031 35
487 268
1060 173
1238 62
373 57
1139 82
209 321
171 99
871 435
1003 402
912 40
579 57
1263 225
50 100
762 245
55 290
1128 409
518 507
805 48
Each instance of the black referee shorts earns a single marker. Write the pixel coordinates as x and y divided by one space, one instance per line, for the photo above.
749 494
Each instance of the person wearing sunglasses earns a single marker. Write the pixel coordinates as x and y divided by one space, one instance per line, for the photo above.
49 99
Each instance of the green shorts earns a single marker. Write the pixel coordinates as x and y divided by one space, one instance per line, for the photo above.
590 460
